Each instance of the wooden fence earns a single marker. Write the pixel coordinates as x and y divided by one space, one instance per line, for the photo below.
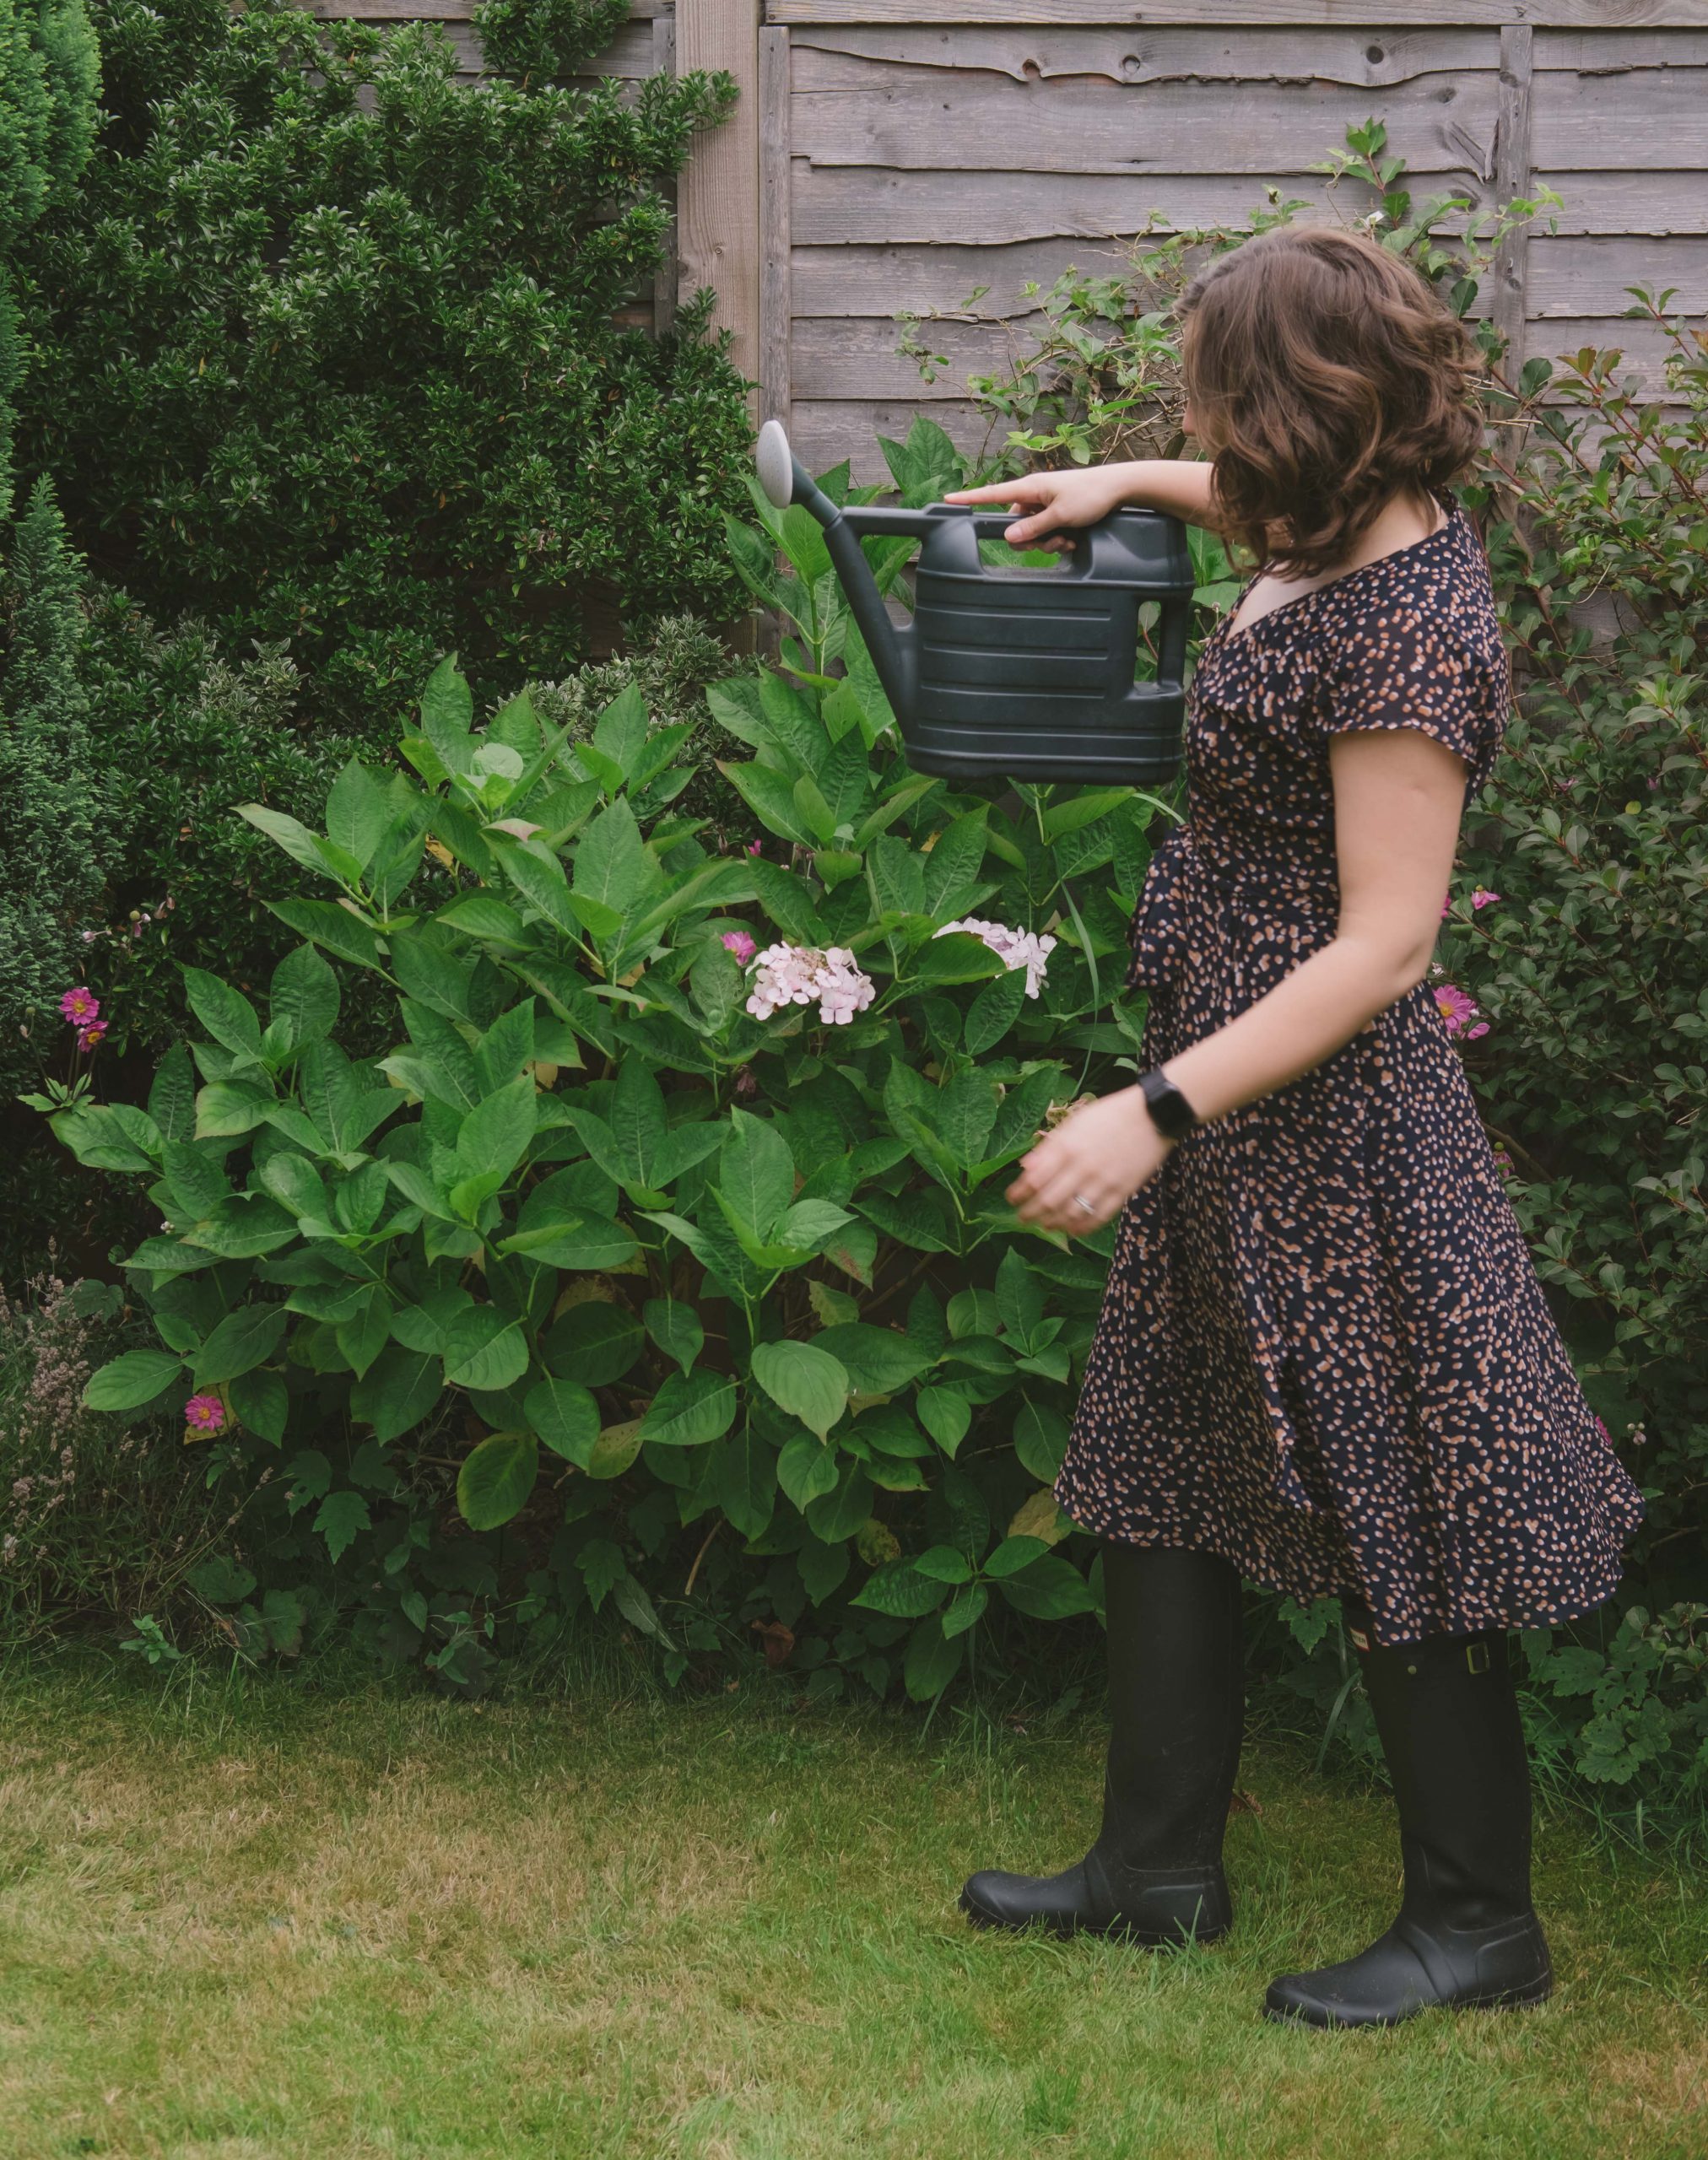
891 154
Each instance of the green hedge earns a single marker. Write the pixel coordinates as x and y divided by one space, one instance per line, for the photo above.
323 351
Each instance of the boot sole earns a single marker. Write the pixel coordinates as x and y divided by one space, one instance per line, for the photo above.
1052 1923
1530 1998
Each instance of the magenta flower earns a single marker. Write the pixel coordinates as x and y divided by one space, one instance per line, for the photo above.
1482 897
92 1036
1458 1010
204 1415
739 942
1447 907
80 1005
756 847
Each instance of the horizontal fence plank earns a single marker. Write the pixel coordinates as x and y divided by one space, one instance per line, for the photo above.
1618 53
824 432
1588 276
837 58
836 206
1582 122
1569 277
942 121
1565 14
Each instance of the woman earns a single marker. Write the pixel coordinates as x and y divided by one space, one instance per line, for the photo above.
1324 1361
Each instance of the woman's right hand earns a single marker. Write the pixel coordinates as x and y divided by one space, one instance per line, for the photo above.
1045 503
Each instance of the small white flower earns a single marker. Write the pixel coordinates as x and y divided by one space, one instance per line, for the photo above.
797 974
1015 948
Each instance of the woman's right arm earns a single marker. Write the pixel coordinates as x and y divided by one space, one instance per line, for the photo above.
1051 503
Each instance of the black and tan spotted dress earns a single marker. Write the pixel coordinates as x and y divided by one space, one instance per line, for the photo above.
1324 1351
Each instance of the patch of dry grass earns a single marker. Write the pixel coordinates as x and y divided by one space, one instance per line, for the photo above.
255 1924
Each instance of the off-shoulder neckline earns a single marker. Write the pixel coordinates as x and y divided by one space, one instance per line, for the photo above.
1229 636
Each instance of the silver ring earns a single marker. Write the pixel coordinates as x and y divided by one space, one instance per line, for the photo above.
1083 1204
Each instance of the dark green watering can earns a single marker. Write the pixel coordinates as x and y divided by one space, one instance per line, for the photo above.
1016 674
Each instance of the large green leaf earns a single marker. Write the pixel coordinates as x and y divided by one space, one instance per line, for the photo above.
358 814
931 1661
565 1417
244 1339
689 1409
803 1379
675 1326
594 1343
303 1001
494 1136
226 1013
398 1390
756 1172
877 1360
901 1590
483 1350
131 1381
496 1479
612 866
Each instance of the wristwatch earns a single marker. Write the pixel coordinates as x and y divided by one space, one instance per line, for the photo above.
1171 1114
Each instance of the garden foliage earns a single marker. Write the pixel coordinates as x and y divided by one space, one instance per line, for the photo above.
593 1245
49 76
324 350
53 848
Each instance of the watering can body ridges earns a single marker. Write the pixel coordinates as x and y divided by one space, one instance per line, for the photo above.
1015 673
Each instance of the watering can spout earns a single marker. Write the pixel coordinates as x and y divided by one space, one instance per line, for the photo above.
786 480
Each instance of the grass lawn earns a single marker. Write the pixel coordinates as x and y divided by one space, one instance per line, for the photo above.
264 1920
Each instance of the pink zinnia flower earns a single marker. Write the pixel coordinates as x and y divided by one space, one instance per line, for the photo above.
92 1036
204 1415
1482 897
80 1005
1458 1010
739 942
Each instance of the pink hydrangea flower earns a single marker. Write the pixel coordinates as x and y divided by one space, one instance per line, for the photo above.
1483 898
204 1415
739 942
1459 1009
797 974
80 1005
1015 948
92 1036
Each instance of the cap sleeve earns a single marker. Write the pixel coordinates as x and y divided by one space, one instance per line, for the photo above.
1400 669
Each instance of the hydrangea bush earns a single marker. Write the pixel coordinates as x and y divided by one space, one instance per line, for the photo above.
662 1256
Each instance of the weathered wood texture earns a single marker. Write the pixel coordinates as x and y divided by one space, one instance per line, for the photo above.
933 155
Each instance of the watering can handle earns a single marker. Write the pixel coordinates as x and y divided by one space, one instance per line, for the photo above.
786 480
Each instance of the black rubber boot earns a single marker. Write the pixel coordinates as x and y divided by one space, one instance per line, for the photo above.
1176 1706
1466 1936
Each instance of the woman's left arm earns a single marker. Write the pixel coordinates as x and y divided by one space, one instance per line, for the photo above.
1398 797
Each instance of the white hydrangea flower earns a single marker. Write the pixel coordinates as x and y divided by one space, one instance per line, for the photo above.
1015 948
797 974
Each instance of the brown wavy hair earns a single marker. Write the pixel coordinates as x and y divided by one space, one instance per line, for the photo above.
1325 375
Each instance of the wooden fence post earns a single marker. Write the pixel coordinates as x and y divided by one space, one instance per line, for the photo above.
718 195
774 303
1512 178
666 277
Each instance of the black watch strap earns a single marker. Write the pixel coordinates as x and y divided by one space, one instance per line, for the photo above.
1173 1116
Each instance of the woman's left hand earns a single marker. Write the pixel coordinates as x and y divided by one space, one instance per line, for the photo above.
1100 1154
